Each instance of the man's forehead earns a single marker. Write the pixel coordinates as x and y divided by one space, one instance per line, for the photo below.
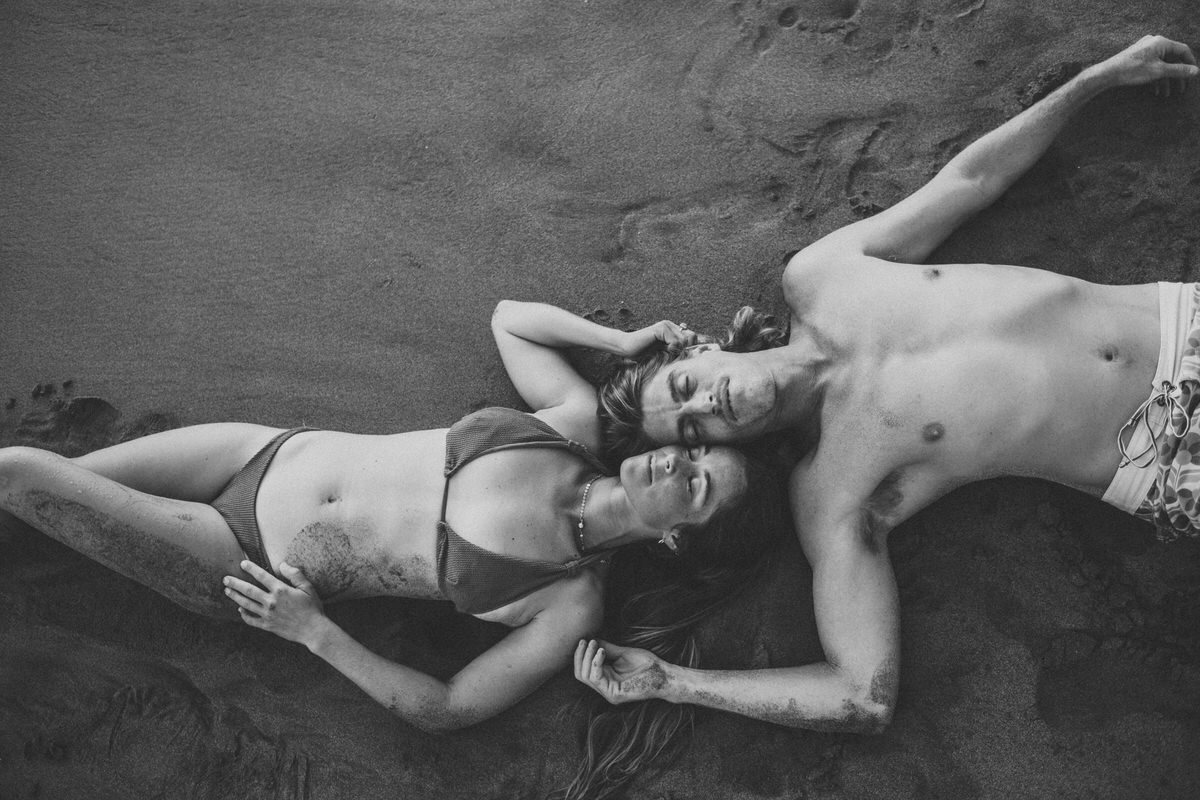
656 391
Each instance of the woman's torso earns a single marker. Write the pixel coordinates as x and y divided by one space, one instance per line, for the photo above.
359 514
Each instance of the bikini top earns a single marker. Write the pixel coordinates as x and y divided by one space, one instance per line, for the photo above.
475 579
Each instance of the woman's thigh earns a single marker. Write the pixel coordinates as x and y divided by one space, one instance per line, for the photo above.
180 549
192 463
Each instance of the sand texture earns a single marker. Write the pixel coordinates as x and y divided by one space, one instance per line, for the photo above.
304 212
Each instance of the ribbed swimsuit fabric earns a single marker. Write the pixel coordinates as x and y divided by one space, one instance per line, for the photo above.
478 580
237 499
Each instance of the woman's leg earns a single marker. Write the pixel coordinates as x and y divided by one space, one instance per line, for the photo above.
179 548
192 463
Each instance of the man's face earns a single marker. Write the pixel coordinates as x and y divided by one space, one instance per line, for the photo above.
708 397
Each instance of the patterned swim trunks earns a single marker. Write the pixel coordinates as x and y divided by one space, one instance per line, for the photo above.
1162 452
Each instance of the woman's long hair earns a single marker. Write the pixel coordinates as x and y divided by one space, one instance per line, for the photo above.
714 564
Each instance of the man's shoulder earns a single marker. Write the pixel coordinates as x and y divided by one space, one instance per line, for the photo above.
823 270
859 463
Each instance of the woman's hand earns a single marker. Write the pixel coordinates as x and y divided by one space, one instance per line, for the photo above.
664 331
1152 59
294 612
620 674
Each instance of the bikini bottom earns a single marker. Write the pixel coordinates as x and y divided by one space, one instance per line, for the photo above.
236 501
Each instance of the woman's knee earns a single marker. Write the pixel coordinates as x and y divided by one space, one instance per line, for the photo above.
23 466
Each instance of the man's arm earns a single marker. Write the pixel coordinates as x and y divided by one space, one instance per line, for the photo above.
854 689
910 230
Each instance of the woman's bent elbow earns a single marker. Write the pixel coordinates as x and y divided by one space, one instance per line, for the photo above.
876 717
503 310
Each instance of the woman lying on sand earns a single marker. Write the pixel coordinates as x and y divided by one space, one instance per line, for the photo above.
509 515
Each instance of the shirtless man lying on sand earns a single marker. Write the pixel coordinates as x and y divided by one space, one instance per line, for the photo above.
905 381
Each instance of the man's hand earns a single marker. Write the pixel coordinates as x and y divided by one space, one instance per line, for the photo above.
293 612
1152 59
629 674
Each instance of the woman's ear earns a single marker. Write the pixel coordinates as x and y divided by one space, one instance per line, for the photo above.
671 540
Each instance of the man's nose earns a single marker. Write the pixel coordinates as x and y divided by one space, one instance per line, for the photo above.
701 403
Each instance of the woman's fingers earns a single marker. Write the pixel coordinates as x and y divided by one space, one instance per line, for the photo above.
297 577
248 589
244 602
1178 51
261 575
250 618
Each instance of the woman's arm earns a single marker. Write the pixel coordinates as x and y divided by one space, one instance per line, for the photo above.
531 338
492 682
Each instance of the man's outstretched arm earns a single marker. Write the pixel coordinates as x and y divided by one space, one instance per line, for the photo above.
853 690
910 230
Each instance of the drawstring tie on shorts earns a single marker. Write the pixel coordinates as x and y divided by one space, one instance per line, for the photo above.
1167 395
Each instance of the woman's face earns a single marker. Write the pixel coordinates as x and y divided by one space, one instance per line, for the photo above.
676 485
709 397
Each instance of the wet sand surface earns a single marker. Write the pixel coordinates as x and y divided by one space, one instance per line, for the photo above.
304 213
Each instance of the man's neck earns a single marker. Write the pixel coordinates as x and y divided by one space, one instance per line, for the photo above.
802 369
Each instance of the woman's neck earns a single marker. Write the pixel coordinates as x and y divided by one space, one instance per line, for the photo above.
608 518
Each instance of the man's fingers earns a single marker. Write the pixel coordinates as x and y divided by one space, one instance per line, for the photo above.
614 650
598 665
579 648
585 661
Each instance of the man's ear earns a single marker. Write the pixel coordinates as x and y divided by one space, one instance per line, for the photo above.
702 347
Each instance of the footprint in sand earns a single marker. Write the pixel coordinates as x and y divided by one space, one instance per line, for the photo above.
621 318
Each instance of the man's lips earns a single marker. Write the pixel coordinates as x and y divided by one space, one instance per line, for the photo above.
726 403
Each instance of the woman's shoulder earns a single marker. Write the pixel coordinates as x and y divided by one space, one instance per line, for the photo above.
576 423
